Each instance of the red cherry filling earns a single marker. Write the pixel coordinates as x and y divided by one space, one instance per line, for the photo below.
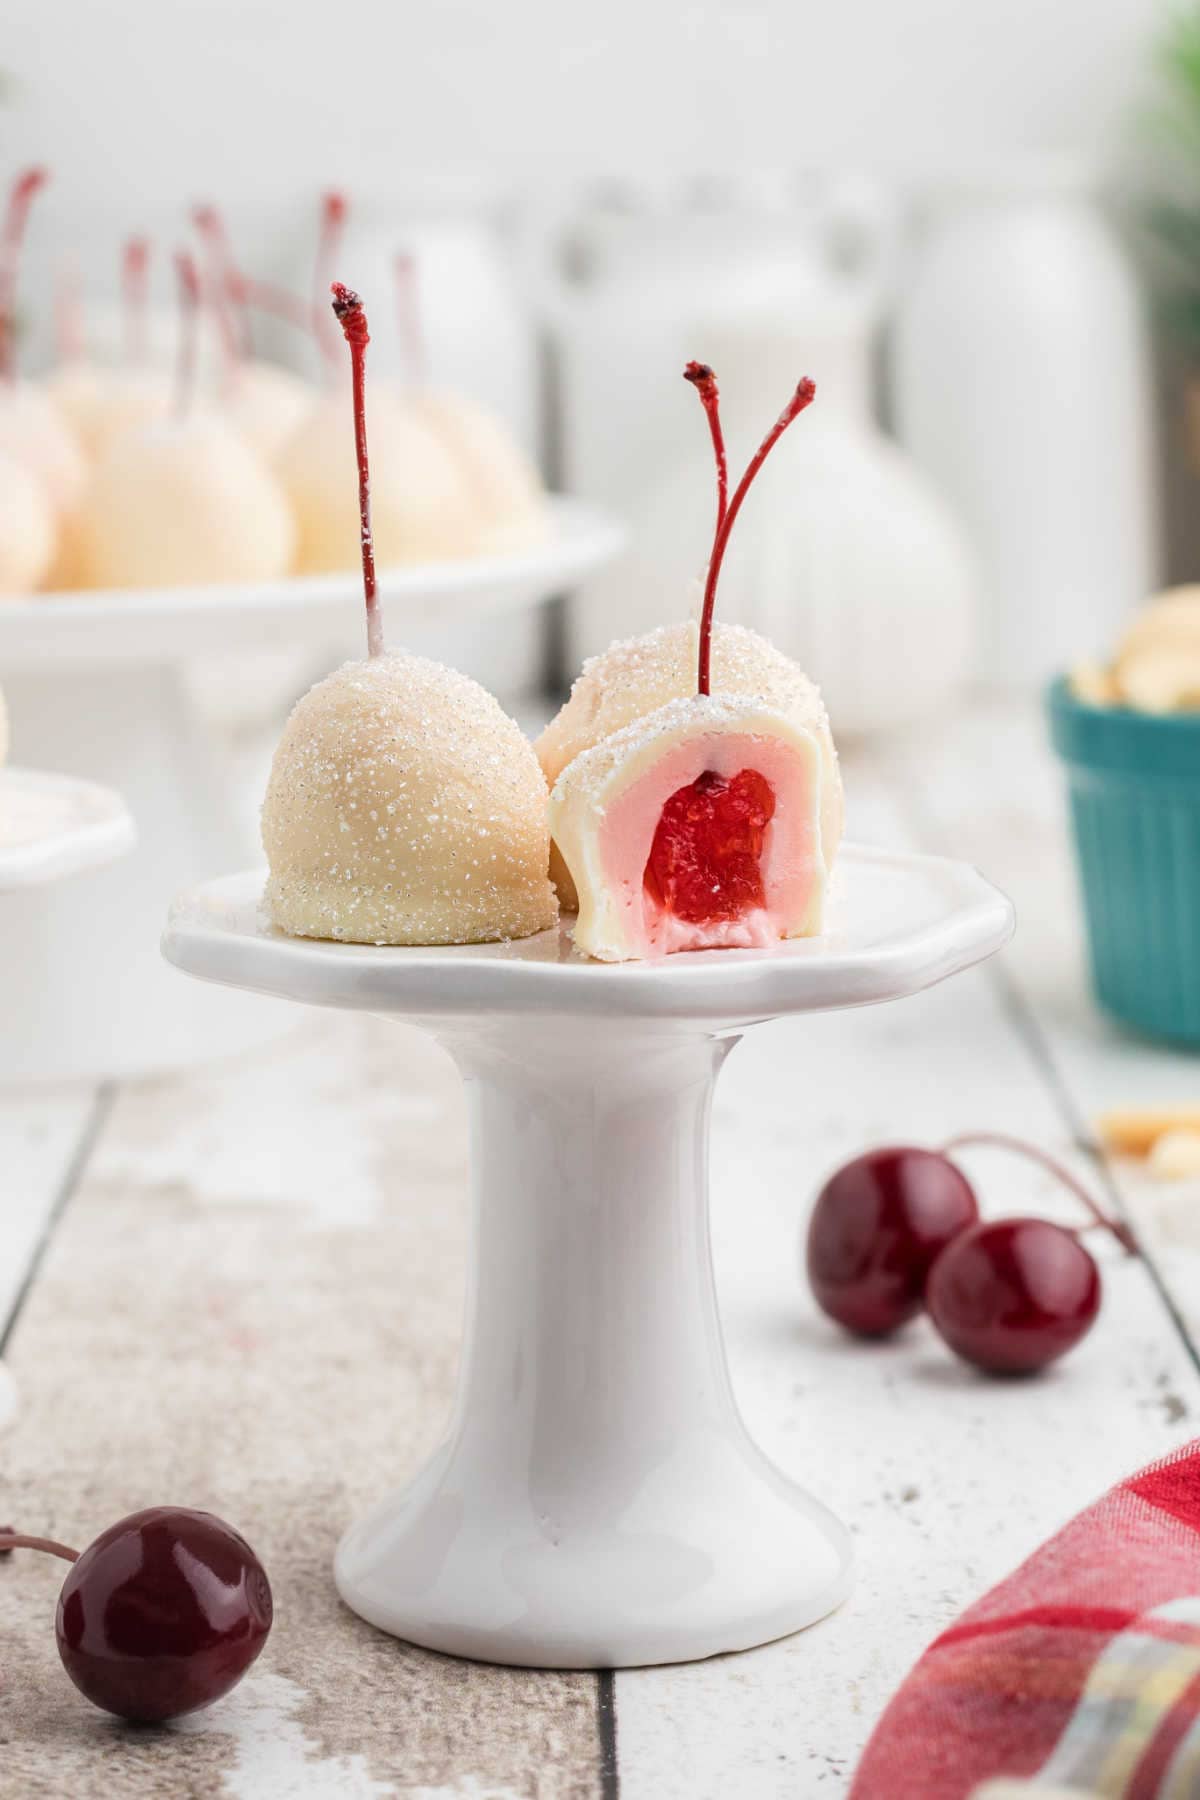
706 859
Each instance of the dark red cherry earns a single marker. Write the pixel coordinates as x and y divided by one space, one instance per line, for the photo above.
163 1614
1012 1295
876 1229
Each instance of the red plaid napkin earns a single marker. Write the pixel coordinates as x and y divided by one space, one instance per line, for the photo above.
1079 1674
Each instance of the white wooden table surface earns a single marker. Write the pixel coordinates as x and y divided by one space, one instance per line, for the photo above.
242 1290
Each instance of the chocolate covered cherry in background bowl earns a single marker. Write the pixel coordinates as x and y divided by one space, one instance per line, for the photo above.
1129 738
897 1232
161 1615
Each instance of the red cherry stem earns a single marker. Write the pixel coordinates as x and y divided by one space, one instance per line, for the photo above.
222 293
243 291
14 1540
135 264
264 296
803 396
705 384
229 333
348 311
408 312
189 307
68 312
998 1140
12 238
329 239
228 295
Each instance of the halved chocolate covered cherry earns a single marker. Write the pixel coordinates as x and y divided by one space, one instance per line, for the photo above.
700 824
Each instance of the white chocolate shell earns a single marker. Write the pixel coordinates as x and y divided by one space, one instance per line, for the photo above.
34 433
420 504
505 489
80 390
405 807
265 404
181 503
28 530
128 400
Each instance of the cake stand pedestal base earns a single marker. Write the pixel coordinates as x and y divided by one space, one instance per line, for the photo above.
599 1502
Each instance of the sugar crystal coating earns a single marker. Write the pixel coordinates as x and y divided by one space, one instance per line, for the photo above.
405 807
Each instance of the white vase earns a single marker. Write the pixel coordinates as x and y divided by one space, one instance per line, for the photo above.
860 572
1022 386
843 555
765 286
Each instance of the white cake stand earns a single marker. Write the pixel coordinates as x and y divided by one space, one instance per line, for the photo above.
598 1502
52 826
95 685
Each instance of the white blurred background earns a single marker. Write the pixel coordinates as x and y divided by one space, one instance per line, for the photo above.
598 191
976 224
262 103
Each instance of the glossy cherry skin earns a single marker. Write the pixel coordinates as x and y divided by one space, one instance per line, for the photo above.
1012 1295
163 1614
875 1231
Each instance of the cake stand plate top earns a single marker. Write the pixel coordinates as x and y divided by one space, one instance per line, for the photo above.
897 923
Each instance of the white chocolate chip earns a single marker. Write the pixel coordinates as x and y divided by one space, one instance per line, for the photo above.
1094 685
1134 1130
1164 678
1175 1156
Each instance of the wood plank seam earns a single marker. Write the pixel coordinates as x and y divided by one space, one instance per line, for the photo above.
606 1725
93 1125
913 1441
1028 1028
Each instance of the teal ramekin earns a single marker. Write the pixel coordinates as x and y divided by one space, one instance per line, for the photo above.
1135 809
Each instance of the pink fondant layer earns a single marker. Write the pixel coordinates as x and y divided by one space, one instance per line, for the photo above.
791 848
